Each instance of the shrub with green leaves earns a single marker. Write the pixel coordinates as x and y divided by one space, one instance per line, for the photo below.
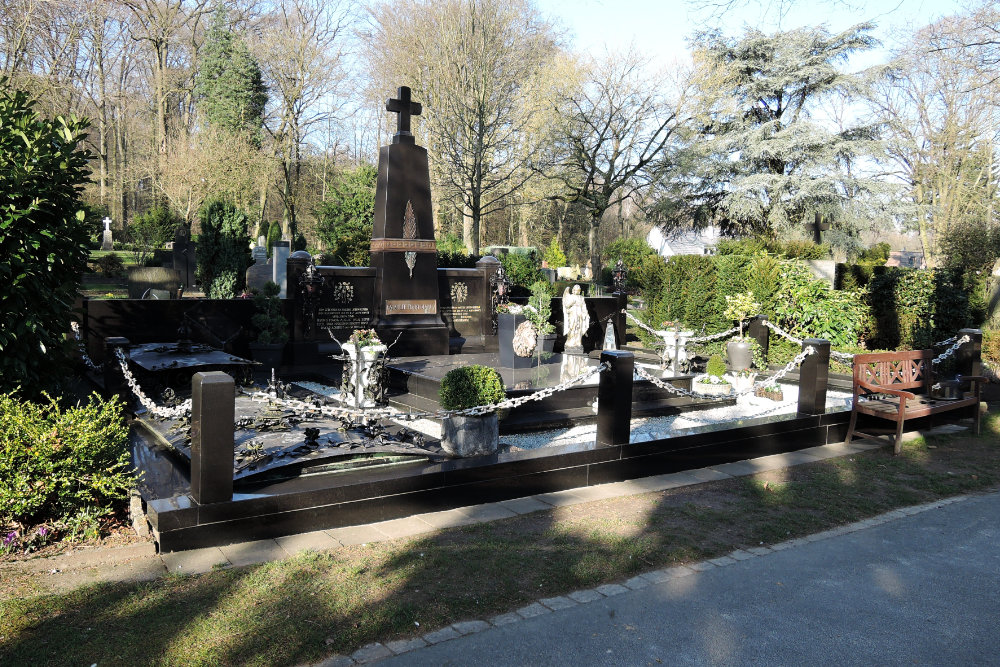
541 307
111 264
715 366
553 255
151 230
471 386
223 250
43 239
522 271
344 219
57 464
271 325
914 308
808 307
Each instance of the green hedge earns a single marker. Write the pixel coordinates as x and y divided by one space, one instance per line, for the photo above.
914 308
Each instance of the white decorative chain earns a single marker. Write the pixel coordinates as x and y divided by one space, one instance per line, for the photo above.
948 341
843 357
154 409
799 358
87 361
711 337
662 334
386 413
781 332
951 350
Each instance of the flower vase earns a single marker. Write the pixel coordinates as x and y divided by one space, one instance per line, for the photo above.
361 377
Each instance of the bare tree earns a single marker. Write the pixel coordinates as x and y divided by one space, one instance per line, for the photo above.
301 49
617 125
477 66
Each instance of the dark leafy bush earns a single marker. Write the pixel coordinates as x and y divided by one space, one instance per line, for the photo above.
808 307
43 239
345 218
456 260
223 250
271 325
914 308
61 466
273 236
110 264
522 270
470 386
151 230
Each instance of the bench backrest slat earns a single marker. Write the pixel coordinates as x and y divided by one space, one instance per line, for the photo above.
908 369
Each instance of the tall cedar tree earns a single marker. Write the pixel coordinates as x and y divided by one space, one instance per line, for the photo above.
756 162
229 87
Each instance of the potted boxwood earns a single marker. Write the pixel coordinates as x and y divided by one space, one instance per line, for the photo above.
740 307
272 327
713 382
469 387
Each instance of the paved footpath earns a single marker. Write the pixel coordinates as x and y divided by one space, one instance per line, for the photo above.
915 586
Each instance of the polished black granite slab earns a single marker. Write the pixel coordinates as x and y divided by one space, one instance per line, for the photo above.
314 501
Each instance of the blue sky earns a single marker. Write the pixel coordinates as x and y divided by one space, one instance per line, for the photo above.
660 28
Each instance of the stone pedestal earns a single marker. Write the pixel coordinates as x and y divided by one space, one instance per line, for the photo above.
279 266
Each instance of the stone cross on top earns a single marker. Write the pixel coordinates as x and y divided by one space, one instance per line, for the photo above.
405 108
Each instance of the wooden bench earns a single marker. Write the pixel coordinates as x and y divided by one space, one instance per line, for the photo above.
881 384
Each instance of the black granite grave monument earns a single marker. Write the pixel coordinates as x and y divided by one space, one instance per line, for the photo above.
403 251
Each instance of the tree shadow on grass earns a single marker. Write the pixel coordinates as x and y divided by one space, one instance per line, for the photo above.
296 611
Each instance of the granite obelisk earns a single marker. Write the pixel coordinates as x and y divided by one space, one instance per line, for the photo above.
403 251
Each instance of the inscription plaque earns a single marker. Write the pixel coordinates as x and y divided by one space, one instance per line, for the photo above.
410 307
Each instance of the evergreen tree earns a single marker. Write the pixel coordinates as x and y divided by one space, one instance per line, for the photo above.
229 86
223 256
756 161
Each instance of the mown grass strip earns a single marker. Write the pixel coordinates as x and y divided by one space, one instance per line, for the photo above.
302 609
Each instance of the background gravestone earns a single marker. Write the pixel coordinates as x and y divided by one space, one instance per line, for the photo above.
403 251
184 258
261 271
107 242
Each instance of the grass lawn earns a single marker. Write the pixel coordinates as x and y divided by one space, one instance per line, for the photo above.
303 609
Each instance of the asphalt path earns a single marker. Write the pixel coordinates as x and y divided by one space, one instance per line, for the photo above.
923 589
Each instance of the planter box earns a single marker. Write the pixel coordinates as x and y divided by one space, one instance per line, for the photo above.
775 395
470 436
712 389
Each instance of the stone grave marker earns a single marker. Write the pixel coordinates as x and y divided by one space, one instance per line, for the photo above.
261 271
403 251
462 298
107 242
346 301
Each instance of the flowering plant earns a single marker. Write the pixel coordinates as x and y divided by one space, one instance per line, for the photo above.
364 338
712 379
510 308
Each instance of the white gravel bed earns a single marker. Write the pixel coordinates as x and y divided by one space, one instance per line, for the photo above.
746 407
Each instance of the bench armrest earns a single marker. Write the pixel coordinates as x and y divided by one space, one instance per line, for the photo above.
879 389
974 378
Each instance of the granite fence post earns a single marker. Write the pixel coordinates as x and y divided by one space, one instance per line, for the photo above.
488 267
757 329
213 408
114 379
813 376
969 357
614 398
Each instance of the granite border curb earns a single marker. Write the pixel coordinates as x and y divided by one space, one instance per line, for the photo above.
604 591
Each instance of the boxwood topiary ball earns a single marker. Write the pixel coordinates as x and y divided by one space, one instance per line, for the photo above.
469 386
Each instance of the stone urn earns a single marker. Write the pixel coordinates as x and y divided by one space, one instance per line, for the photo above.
470 436
740 354
710 388
676 346
360 376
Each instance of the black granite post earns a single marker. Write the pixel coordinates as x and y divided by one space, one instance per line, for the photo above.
813 376
757 330
213 407
114 379
298 261
614 398
969 357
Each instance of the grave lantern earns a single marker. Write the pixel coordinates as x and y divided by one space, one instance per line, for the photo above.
618 276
